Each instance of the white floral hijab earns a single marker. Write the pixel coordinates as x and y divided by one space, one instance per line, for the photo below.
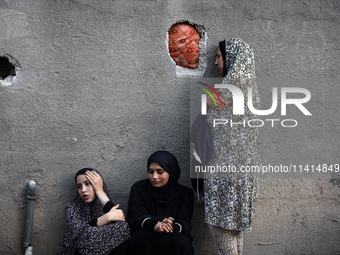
239 60
240 57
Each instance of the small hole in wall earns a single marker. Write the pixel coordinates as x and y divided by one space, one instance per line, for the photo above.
187 47
9 68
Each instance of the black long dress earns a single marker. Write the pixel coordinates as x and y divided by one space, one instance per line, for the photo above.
148 205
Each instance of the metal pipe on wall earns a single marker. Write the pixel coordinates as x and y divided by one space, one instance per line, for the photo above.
31 196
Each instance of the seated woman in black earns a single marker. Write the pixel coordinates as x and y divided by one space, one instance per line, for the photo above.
93 224
160 210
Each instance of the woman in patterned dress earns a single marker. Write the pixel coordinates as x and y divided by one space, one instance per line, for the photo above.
230 197
94 225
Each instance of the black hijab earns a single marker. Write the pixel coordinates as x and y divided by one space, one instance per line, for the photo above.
222 49
228 57
167 194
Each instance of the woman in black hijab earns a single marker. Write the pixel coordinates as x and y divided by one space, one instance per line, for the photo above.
160 210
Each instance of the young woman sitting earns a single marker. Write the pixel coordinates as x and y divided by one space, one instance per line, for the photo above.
160 210
94 225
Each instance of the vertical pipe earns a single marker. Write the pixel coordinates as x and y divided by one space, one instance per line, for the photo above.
31 196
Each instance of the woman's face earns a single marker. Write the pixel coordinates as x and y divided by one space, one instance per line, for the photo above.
85 189
219 61
157 175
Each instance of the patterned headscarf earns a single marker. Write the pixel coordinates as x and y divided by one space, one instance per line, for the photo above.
239 59
79 235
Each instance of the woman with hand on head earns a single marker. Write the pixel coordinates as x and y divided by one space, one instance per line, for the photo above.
94 225
160 210
230 197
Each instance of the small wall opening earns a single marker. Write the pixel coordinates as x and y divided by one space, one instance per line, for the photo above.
183 45
9 68
187 48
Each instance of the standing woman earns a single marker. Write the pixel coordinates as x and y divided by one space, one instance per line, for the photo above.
230 197
94 225
160 210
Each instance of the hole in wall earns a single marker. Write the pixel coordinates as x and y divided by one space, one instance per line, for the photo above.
187 48
183 45
9 68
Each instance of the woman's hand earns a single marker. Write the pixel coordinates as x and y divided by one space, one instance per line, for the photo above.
165 225
159 227
96 180
116 214
97 184
218 105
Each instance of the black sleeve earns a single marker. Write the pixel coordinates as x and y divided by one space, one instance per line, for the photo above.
149 223
108 206
138 207
93 222
185 211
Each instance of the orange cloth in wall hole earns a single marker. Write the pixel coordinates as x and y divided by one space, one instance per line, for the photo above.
183 45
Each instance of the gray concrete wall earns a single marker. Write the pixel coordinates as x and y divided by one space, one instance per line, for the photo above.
98 88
